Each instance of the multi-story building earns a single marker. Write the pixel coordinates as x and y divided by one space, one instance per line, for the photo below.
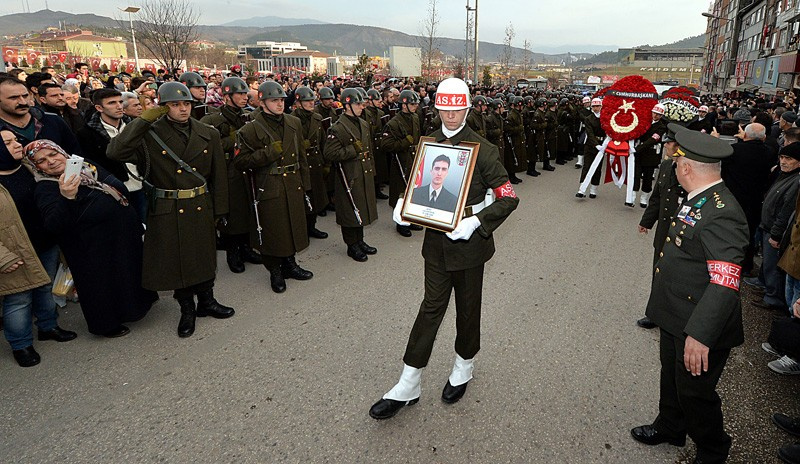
301 61
261 55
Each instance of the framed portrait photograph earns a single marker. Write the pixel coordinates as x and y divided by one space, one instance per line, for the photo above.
438 184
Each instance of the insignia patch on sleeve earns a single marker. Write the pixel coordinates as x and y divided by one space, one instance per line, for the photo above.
725 274
505 190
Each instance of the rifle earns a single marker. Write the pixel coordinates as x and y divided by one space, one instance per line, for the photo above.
513 151
254 191
349 191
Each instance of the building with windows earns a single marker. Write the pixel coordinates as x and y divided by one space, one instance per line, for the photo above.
79 43
302 62
261 55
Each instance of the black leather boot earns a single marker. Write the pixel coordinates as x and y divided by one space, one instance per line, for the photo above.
208 306
233 254
250 256
405 231
313 232
354 251
291 270
276 280
188 314
370 250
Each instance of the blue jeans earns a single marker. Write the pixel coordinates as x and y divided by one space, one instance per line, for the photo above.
771 274
792 291
19 308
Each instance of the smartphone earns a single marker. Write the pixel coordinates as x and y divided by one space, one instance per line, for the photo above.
74 165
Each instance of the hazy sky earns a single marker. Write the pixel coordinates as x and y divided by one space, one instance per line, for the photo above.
548 22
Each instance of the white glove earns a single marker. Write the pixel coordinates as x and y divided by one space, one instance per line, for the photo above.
465 229
398 208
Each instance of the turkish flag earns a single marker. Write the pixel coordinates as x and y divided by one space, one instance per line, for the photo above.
53 58
115 66
32 57
62 56
94 63
130 67
10 55
150 66
418 180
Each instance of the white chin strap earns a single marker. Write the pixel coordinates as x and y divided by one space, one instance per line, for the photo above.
596 114
448 133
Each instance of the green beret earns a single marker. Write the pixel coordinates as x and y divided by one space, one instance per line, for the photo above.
701 147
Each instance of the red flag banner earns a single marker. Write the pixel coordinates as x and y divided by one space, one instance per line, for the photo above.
62 56
151 67
130 67
115 66
10 55
94 63
53 58
32 57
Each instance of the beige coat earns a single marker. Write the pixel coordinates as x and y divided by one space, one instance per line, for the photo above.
15 245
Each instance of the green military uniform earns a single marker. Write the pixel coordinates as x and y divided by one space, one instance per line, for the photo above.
594 137
539 128
648 156
551 134
271 146
515 133
458 265
180 243
228 121
494 131
327 113
312 141
476 122
374 117
695 293
399 140
564 136
349 144
667 196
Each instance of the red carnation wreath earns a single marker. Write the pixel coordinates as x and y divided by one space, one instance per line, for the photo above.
680 104
626 108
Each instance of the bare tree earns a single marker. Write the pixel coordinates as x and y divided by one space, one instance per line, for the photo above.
166 29
427 40
507 54
527 58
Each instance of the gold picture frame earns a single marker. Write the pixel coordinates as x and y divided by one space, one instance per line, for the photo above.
438 184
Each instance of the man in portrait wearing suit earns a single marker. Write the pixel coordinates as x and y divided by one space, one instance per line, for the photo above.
434 195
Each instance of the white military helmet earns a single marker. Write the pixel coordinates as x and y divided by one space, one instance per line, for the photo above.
452 94
597 102
587 99
659 109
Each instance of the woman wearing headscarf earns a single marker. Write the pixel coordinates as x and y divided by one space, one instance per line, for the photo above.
99 234
28 260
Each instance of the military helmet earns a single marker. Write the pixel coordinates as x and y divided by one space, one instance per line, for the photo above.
552 101
510 95
350 96
270 89
362 92
304 94
499 102
173 92
541 101
479 100
325 93
233 85
563 101
409 97
373 94
528 99
192 79
494 103
518 100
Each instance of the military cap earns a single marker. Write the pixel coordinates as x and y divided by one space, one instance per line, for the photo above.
701 147
672 128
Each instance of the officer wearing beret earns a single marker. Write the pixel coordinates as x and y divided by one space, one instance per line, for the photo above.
695 301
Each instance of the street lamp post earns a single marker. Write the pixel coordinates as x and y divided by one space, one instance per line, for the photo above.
130 10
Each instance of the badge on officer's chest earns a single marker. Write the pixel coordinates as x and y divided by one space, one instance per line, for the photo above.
684 211
678 241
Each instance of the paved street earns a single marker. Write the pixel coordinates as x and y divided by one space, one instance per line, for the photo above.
562 376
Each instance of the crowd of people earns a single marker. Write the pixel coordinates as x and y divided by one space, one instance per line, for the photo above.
247 164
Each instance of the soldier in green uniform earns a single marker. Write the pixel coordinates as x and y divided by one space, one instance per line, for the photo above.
374 116
667 196
349 147
475 119
454 261
539 129
234 232
564 132
515 136
551 133
271 145
594 137
400 138
583 114
312 141
327 109
494 125
183 169
648 156
695 301
528 116
197 86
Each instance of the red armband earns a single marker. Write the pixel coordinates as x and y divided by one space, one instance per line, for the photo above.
505 190
725 274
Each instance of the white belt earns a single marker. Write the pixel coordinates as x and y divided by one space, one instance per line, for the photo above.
488 199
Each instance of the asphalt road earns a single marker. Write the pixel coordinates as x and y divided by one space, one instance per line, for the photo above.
562 376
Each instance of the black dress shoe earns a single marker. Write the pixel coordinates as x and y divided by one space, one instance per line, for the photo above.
790 453
354 251
515 180
316 233
646 323
416 227
452 394
648 435
580 195
405 231
561 162
120 331
367 249
331 207
533 172
276 281
234 258
385 409
207 305
380 195
58 334
578 166
592 195
27 357
630 205
291 270
322 213
250 256
548 167
787 424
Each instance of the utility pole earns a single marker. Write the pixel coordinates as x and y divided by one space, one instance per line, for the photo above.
475 81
